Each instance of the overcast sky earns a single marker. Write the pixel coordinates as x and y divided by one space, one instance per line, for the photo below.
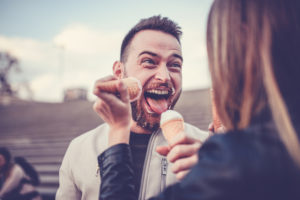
63 44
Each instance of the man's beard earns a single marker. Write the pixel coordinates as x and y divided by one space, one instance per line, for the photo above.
142 118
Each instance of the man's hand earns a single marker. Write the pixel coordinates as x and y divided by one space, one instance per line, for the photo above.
116 112
182 152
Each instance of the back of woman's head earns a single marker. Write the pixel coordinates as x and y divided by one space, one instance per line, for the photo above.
254 58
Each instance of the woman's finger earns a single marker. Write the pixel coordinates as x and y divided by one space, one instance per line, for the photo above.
163 150
96 89
180 175
183 150
182 138
184 163
124 96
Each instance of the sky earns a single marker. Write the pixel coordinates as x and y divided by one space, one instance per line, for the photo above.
68 44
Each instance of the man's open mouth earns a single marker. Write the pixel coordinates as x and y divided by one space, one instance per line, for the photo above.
158 100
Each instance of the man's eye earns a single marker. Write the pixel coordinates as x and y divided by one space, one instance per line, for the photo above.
148 61
175 66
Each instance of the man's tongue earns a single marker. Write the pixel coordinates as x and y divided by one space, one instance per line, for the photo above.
158 105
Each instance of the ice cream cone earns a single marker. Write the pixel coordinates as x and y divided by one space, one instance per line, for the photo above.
133 86
171 124
216 120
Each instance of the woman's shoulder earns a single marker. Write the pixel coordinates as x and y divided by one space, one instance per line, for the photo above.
17 170
15 173
244 162
256 152
249 142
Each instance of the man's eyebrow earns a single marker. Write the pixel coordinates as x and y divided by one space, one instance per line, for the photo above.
148 52
178 56
155 55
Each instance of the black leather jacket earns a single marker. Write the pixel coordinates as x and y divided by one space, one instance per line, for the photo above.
250 164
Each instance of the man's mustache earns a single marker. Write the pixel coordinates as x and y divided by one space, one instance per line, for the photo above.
161 85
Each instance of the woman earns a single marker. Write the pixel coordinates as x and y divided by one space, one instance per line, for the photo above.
253 49
17 180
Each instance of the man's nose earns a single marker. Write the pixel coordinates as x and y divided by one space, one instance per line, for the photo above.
163 73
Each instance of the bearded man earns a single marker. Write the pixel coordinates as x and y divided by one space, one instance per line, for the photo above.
150 52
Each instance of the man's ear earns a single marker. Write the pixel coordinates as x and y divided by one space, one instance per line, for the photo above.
118 69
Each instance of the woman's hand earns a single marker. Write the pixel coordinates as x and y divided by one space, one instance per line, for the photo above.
182 152
116 112
212 130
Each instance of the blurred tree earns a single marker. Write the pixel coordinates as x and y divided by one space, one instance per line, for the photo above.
7 64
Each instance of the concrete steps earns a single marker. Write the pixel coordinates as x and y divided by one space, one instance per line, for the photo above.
41 132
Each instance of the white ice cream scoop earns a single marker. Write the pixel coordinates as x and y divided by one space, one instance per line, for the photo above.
171 123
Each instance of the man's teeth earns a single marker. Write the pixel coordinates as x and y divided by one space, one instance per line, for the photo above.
160 92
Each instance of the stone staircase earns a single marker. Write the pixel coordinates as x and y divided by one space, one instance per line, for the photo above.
41 132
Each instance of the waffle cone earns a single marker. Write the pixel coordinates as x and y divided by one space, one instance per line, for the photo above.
216 120
109 86
171 128
133 86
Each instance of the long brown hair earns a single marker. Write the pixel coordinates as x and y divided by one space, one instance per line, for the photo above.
249 44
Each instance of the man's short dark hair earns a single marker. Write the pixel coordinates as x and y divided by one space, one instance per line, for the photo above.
159 23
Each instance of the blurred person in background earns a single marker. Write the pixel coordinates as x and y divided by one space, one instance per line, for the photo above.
253 49
17 179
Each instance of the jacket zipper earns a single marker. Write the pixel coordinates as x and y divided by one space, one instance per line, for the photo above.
164 168
143 185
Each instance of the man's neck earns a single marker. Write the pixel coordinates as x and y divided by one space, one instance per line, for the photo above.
137 129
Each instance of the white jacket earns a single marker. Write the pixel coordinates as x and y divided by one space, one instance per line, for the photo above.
79 177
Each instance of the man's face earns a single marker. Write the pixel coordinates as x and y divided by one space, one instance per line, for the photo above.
155 58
